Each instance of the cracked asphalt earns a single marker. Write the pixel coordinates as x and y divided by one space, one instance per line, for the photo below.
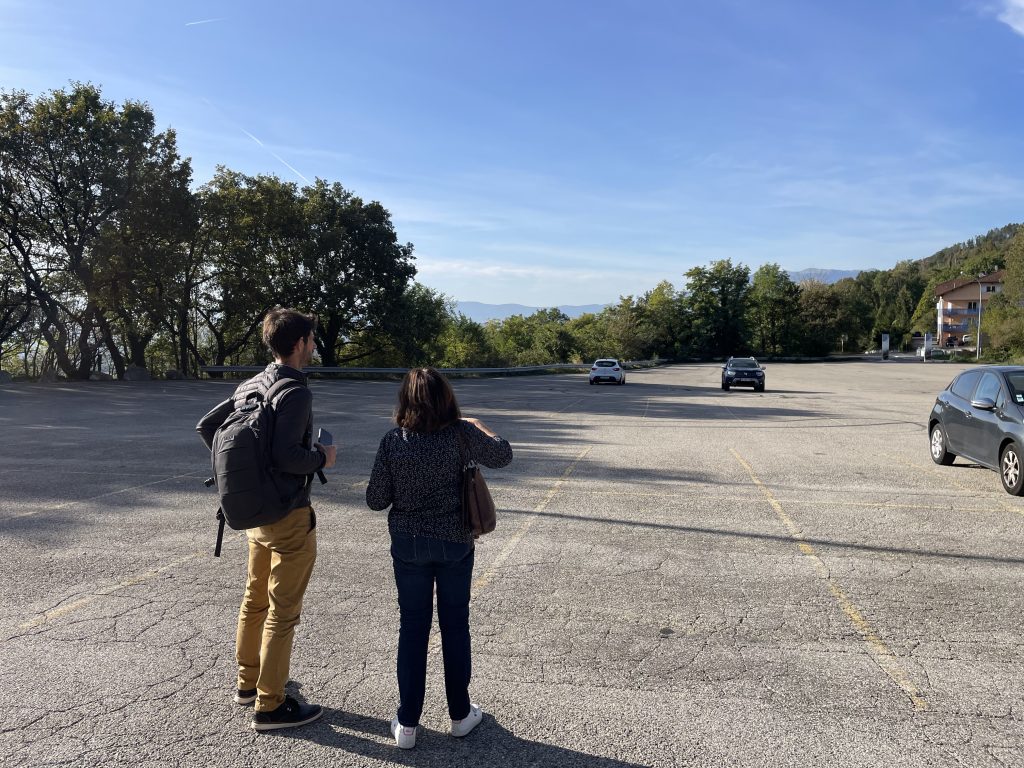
680 577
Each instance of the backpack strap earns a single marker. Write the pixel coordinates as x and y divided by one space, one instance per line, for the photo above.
279 387
220 532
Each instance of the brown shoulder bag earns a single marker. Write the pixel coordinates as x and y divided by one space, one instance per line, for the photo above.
478 513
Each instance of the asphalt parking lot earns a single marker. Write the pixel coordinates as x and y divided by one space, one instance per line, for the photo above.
680 576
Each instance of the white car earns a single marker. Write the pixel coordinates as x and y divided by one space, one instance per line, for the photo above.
607 369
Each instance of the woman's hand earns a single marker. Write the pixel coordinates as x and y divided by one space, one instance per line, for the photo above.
479 425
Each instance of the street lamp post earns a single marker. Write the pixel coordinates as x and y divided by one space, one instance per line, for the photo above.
978 354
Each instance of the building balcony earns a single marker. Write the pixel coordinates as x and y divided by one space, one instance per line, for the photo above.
954 327
959 312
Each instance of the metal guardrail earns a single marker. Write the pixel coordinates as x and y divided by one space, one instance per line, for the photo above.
511 371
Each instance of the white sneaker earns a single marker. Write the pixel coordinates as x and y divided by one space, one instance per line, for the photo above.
405 736
462 727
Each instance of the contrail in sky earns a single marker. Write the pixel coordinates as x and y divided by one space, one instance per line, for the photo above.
259 143
276 156
204 21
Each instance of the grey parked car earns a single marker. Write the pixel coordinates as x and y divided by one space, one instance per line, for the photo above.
980 416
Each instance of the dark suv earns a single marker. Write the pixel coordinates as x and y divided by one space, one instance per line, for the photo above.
742 372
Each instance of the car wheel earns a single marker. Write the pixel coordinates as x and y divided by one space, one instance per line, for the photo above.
759 388
1010 470
591 382
622 380
937 446
725 387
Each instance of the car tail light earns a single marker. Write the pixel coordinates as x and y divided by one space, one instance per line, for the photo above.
594 368
615 369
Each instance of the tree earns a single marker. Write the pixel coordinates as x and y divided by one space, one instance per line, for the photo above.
818 318
142 262
854 313
249 239
590 335
716 300
463 344
665 326
771 301
70 165
15 301
412 334
1003 323
627 329
355 272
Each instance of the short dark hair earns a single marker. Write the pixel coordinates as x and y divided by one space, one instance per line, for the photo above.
426 402
282 329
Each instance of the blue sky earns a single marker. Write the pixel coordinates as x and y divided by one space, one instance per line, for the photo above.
571 152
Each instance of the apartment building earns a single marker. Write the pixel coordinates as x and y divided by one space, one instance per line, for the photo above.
959 303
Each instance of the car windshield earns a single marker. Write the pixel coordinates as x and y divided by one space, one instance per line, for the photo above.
606 363
743 364
1016 381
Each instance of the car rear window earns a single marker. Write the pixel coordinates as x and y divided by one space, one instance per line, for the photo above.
743 364
606 363
965 383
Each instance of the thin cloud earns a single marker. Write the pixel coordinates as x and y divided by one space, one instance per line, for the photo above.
1012 14
204 21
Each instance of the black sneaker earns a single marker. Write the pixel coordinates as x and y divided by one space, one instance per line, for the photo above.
289 715
248 696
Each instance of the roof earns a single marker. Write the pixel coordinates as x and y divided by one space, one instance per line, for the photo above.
959 282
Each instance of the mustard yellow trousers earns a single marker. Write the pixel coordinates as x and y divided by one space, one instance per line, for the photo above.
281 558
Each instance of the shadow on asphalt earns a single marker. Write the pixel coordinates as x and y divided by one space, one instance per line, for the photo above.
490 744
789 540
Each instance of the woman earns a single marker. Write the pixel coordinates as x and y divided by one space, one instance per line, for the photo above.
418 472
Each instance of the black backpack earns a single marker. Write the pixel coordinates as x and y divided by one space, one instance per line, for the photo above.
252 492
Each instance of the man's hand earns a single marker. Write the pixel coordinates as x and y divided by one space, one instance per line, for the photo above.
330 451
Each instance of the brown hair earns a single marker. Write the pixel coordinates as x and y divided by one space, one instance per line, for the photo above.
282 329
426 402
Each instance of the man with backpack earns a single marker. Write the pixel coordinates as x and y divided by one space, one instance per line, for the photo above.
275 409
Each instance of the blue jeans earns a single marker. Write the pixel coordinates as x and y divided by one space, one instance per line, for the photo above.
420 563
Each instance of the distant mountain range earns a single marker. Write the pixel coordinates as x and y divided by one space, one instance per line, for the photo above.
481 312
827 276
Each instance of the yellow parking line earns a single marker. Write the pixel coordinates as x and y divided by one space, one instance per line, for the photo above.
131 581
485 578
883 657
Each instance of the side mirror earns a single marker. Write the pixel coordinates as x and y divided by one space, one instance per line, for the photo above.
764 367
983 404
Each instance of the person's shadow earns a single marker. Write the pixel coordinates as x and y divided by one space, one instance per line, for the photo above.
489 744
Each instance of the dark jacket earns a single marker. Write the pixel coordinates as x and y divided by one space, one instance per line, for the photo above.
292 451
419 475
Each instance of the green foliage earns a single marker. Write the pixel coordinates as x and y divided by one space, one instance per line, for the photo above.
106 249
770 314
74 171
716 303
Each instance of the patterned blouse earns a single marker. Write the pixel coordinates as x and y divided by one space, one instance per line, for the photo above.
419 476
